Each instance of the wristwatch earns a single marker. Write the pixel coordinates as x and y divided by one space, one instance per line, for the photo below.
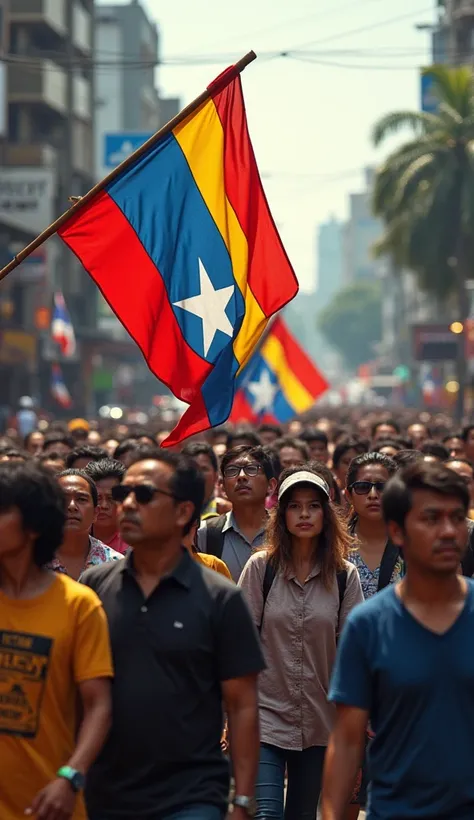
248 804
75 779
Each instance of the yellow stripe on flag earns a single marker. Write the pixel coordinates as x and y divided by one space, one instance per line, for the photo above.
296 395
201 138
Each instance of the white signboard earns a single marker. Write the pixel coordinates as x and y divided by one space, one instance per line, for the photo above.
27 197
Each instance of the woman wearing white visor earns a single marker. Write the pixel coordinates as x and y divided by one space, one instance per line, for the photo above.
300 590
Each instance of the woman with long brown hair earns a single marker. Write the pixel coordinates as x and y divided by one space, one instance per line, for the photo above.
300 589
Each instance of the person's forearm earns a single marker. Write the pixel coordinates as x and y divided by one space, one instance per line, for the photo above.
92 734
244 741
340 771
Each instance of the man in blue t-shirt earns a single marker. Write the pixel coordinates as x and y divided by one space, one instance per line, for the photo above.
406 663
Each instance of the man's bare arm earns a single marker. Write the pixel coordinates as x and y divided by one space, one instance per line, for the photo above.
343 760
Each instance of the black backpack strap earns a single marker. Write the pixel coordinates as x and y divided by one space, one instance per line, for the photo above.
341 586
268 580
215 535
389 561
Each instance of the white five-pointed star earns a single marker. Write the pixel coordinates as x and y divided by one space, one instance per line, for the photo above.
263 391
210 306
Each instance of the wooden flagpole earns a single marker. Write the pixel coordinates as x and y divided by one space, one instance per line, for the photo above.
79 203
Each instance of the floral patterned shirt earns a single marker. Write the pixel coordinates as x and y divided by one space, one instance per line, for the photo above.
369 579
99 553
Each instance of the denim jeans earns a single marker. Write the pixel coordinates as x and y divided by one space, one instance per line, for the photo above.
304 770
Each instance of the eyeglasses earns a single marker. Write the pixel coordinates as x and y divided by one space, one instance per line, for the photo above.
234 470
144 493
366 487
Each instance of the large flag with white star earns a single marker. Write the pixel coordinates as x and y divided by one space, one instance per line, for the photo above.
280 381
183 247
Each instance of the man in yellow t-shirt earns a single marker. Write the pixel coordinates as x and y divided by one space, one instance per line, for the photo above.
54 652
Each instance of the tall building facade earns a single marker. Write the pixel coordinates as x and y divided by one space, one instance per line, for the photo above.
330 261
361 231
453 36
46 156
129 105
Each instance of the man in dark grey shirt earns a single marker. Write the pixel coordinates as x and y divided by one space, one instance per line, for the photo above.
248 479
184 649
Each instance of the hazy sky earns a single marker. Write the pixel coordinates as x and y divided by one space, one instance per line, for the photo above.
310 118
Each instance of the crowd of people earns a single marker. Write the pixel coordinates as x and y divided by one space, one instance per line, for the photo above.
268 621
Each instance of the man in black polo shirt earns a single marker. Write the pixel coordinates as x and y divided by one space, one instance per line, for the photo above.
184 649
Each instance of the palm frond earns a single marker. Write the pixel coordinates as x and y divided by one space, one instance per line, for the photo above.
418 121
453 86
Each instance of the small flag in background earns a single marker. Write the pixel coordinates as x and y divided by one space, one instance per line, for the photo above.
59 391
183 247
280 381
62 331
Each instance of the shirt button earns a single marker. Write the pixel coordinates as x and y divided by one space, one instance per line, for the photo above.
144 609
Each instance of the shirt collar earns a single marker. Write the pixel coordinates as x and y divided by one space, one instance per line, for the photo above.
231 524
182 573
314 572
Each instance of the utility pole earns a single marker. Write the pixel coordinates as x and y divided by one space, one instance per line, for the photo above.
66 186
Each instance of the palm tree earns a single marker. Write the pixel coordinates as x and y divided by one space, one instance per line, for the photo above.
424 193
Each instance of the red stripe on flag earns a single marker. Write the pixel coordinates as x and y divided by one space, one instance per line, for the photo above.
270 276
241 409
297 360
111 252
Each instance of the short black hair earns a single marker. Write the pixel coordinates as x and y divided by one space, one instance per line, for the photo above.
82 474
313 434
270 428
405 457
258 453
344 446
390 422
85 451
388 442
201 448
466 431
274 458
243 432
434 448
458 434
36 493
141 433
126 446
295 443
16 453
105 468
215 432
187 483
53 455
28 436
397 499
58 437
325 472
367 460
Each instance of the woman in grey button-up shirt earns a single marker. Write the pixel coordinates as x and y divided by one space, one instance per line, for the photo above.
310 589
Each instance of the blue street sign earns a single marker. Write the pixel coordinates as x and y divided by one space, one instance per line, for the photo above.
119 146
429 97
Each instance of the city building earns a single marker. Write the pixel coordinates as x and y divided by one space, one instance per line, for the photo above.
360 233
329 261
452 36
129 106
46 156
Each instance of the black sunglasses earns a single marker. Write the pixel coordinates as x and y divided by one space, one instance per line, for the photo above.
365 487
144 493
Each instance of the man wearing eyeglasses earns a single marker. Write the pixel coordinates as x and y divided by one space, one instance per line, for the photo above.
248 479
185 649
